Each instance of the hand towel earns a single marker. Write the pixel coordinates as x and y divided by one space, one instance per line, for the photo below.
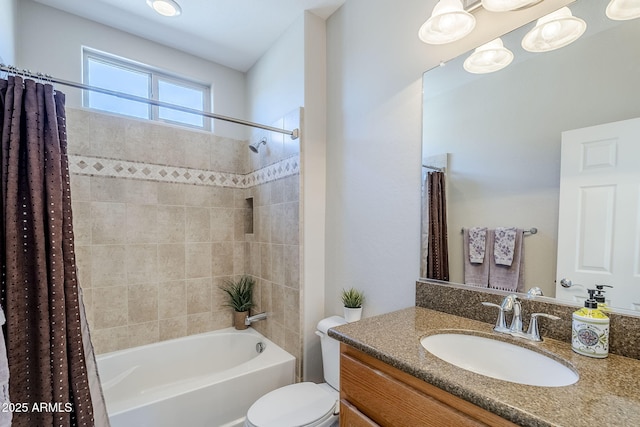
477 244
504 245
509 278
476 274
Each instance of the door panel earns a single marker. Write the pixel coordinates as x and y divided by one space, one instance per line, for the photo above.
599 221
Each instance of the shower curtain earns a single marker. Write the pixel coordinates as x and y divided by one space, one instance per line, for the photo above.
49 382
435 249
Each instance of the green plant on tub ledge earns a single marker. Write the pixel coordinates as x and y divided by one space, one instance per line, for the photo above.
352 300
239 294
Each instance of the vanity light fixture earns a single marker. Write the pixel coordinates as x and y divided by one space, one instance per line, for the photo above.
448 22
507 5
623 10
165 7
489 57
553 31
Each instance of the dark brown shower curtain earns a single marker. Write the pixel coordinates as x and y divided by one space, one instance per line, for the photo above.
48 375
437 263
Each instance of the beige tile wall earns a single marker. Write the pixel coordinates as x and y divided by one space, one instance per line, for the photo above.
151 255
273 251
272 255
114 137
150 266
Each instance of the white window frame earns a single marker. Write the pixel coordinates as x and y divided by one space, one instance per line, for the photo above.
155 76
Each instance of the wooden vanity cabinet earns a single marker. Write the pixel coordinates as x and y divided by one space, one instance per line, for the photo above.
373 393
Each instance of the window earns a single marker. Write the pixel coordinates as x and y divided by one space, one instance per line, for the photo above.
131 78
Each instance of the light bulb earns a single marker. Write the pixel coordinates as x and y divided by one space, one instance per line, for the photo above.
448 22
489 57
553 31
623 10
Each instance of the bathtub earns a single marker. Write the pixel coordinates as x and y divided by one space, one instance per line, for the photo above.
209 379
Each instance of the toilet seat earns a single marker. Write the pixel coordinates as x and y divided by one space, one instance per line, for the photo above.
303 404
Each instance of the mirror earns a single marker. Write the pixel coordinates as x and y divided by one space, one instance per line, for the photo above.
502 132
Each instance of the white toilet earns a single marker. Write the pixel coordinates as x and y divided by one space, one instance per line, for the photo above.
305 404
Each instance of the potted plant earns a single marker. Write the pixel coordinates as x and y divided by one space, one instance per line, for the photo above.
352 301
239 298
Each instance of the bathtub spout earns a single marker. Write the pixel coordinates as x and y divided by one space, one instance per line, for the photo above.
249 320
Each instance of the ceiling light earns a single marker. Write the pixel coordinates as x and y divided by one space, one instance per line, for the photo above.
622 10
489 57
448 22
507 5
553 31
165 7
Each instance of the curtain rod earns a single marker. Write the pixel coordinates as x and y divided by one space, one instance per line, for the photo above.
294 134
433 168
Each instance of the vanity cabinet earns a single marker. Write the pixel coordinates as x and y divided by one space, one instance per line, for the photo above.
373 393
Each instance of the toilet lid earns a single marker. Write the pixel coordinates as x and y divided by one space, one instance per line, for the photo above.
293 405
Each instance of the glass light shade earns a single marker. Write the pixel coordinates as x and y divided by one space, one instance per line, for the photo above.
553 31
165 7
448 22
489 57
623 10
507 5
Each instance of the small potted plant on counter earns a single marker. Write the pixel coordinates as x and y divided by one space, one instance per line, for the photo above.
239 298
352 300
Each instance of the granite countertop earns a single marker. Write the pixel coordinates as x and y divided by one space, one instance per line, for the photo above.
607 393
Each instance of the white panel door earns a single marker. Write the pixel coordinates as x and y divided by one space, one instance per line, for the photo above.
599 221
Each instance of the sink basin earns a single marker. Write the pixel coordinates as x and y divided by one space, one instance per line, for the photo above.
499 359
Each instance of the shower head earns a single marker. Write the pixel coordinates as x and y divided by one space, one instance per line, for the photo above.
256 146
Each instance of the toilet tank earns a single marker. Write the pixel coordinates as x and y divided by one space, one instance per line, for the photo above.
330 350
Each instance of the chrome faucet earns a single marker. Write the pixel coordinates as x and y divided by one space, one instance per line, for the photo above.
533 333
501 324
249 320
511 303
534 292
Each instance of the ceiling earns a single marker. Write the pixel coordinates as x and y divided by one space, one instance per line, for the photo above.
235 33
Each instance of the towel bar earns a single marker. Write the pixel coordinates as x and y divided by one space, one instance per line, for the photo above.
532 230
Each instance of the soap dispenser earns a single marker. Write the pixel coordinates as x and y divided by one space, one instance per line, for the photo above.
590 329
600 299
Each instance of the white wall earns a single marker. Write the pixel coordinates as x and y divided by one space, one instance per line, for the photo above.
8 31
275 83
313 163
375 64
51 41
373 153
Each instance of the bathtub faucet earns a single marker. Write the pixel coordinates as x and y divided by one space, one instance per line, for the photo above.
249 320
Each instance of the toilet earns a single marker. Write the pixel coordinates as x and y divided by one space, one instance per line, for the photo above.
305 404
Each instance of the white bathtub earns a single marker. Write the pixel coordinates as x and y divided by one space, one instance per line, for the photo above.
209 379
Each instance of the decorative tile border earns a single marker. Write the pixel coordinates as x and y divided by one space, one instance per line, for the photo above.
97 166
